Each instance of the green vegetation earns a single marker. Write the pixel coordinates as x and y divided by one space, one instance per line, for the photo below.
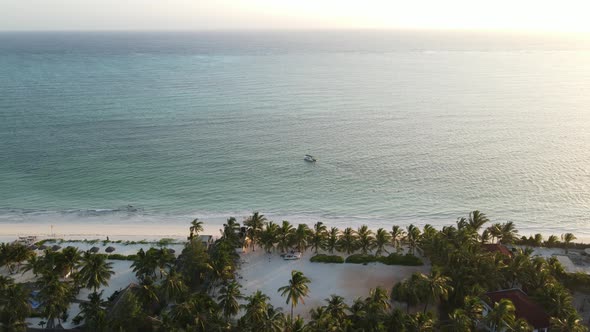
391 259
119 257
199 290
322 258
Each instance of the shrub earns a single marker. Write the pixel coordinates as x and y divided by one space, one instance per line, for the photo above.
322 258
577 281
120 257
392 259
360 259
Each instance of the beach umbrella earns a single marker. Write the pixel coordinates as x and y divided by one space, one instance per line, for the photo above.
94 249
55 248
110 249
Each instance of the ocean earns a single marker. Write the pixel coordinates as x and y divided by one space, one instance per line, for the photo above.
408 127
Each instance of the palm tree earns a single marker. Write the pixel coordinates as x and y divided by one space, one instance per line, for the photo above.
317 236
570 323
163 257
567 238
420 322
378 301
382 238
145 263
413 235
397 234
336 307
285 236
332 240
255 223
556 299
296 290
348 241
473 308
268 237
93 312
477 220
502 315
95 271
255 309
300 237
509 232
55 297
70 258
495 231
173 286
552 241
521 325
365 239
409 291
195 228
436 286
230 231
538 240
14 307
35 264
147 294
459 321
228 299
273 321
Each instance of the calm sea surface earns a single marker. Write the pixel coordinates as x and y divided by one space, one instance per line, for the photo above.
406 126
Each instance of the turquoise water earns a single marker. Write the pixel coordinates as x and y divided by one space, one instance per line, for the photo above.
407 127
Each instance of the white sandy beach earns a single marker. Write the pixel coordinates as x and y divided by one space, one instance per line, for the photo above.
268 272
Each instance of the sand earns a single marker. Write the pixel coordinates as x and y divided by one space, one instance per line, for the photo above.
268 272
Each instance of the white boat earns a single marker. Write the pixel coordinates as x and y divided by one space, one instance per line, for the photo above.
293 256
309 158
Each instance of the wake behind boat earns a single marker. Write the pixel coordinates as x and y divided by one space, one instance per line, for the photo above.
309 158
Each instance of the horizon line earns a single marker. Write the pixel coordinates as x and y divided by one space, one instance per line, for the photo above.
359 29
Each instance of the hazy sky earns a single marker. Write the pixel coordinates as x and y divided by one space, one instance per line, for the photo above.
544 15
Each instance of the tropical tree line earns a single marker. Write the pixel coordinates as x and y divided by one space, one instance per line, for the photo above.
59 276
198 289
283 237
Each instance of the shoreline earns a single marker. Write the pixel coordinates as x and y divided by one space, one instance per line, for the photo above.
155 230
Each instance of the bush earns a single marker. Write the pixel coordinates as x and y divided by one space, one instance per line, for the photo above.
397 259
577 281
120 257
361 259
321 258
392 259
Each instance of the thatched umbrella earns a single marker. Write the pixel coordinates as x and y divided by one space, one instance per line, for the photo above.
110 249
42 247
55 248
94 249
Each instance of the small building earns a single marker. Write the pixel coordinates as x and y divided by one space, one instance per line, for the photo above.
206 240
496 247
525 307
26 240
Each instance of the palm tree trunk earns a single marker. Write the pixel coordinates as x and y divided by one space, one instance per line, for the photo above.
291 312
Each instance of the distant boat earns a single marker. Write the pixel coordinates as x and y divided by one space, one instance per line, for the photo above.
309 158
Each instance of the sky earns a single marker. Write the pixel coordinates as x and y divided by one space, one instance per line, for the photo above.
522 15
